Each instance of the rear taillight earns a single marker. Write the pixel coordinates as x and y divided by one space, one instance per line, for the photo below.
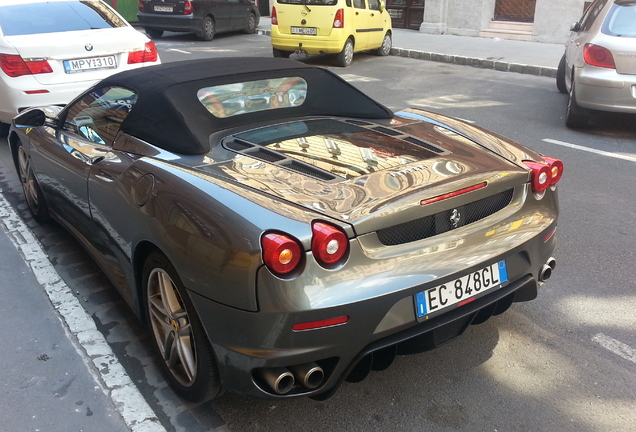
274 17
544 174
338 21
328 244
15 66
281 253
187 8
148 54
595 55
556 169
141 6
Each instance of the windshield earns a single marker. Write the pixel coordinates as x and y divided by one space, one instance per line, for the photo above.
55 17
621 20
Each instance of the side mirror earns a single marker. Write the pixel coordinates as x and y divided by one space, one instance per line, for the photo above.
576 27
36 117
382 6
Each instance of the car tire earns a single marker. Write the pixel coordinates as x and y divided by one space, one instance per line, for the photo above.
186 355
345 57
575 116
251 24
280 53
4 130
385 48
207 29
560 76
31 188
154 33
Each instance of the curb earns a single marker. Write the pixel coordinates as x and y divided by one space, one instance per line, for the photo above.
476 62
463 61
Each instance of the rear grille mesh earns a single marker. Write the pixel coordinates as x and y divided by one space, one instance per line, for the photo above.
440 223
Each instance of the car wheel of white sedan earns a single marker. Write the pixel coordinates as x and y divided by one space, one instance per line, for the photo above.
575 117
187 357
32 192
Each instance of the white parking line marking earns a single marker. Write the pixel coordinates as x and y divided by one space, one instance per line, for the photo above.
590 150
178 50
617 347
80 328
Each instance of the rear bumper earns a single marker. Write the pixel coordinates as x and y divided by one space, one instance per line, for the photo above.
605 90
313 45
246 343
176 23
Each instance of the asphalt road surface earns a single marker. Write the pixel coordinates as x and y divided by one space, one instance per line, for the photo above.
563 362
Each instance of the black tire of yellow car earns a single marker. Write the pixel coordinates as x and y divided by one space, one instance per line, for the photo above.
32 192
560 76
251 24
207 29
205 385
345 57
280 53
154 33
385 48
575 116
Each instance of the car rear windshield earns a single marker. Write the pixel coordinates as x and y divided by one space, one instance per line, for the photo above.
310 2
621 20
55 17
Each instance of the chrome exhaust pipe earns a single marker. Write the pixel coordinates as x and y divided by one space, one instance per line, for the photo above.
309 375
546 271
279 379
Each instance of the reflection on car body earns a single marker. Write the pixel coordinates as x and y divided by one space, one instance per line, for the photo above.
279 231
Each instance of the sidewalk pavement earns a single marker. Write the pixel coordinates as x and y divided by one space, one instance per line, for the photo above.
533 58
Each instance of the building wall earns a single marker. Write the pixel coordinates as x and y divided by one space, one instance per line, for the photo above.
552 19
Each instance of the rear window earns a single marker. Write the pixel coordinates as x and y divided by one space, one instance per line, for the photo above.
310 2
229 100
621 20
55 17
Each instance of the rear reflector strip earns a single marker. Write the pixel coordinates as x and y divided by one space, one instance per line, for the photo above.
453 194
320 324
36 91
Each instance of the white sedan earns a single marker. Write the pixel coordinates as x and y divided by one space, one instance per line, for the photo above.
52 50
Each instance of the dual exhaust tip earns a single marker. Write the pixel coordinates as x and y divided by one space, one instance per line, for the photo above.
546 271
282 379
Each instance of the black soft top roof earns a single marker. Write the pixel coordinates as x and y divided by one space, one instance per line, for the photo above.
168 113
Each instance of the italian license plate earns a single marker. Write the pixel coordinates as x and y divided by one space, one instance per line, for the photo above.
88 64
461 290
163 8
304 30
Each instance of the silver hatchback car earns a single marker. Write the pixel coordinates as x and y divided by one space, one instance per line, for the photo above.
598 69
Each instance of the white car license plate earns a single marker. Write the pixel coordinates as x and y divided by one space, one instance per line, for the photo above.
163 8
88 64
305 30
463 289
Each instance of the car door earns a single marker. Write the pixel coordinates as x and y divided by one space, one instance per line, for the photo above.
221 10
84 137
240 11
360 24
376 23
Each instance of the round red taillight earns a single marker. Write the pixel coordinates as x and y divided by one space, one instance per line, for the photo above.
281 253
556 169
328 244
541 175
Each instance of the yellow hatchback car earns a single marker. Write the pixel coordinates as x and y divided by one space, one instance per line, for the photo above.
340 27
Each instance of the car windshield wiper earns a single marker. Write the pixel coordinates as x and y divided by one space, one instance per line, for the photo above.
304 2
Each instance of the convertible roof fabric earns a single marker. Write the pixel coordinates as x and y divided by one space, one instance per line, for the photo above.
169 114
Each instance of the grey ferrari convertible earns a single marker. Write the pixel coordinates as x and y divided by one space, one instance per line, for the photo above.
281 232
